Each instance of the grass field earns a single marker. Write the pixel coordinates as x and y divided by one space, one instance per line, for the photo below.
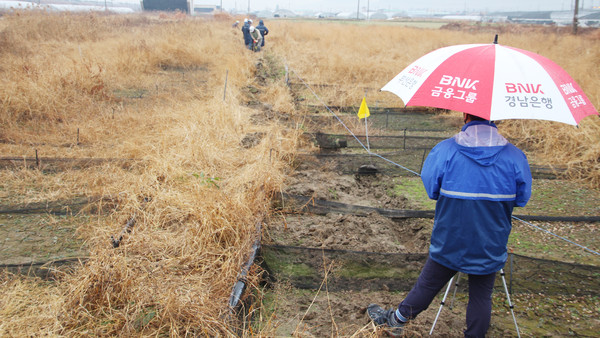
209 133
150 90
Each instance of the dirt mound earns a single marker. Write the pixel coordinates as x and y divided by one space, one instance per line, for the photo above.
372 233
369 191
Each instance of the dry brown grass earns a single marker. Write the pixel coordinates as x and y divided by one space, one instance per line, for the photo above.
354 57
147 88
150 88
28 307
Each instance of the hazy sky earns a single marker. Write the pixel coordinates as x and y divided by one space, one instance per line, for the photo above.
443 5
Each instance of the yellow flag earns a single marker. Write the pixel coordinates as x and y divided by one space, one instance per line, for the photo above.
363 111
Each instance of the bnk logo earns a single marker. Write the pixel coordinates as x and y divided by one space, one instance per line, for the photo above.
528 88
455 81
417 71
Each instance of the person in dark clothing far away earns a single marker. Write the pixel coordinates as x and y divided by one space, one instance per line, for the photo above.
263 31
246 32
477 178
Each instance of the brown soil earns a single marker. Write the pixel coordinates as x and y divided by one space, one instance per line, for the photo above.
40 244
334 314
369 191
293 306
307 312
325 306
372 233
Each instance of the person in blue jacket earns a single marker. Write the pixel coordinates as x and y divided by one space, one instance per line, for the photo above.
246 32
477 178
263 31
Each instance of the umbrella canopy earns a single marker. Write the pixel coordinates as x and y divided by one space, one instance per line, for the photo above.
494 82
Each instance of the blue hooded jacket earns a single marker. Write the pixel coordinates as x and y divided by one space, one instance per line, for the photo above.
246 32
477 177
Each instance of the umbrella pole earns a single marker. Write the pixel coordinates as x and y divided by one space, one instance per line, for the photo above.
441 306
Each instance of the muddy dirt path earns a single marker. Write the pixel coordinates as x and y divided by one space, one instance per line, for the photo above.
338 309
334 312
325 268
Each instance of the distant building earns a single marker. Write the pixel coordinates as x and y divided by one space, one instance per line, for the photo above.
544 18
204 9
187 6
560 18
378 16
284 13
463 17
400 15
263 14
168 5
64 6
590 20
324 15
351 15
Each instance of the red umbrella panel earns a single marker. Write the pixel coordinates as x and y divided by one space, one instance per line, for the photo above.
494 82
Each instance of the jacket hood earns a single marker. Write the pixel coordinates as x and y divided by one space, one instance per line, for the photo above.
481 142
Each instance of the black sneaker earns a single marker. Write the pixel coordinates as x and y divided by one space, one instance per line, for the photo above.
386 319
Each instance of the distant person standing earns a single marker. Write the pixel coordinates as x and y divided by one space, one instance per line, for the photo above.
257 39
263 31
246 32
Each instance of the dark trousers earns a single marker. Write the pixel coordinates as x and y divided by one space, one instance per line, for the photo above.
432 279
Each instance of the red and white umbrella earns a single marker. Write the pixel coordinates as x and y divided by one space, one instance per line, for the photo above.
494 82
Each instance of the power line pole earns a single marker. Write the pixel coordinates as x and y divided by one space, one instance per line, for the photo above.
575 13
357 9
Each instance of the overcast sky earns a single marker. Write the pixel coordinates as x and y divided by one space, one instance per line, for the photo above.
442 5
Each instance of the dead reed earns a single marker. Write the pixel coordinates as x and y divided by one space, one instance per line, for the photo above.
28 307
150 89
358 59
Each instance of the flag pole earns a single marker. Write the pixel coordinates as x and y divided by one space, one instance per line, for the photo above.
363 112
367 128
367 133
